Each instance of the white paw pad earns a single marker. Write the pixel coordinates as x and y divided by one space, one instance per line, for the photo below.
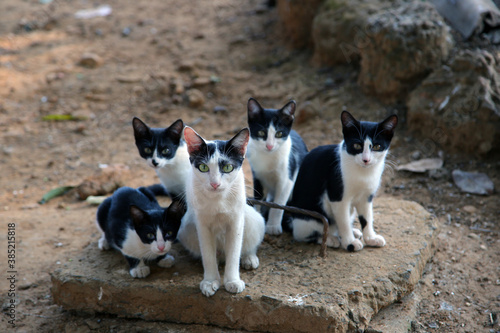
140 271
357 233
250 262
209 287
331 241
375 241
167 262
235 286
274 229
103 244
356 245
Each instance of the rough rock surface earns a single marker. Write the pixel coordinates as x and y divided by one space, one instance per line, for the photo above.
292 290
458 106
404 45
296 19
339 30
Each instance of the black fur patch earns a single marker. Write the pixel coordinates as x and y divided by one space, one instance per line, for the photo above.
362 221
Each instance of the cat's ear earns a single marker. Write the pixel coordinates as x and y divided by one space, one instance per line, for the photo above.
175 130
194 141
141 130
240 141
254 109
175 212
389 124
287 112
348 120
138 216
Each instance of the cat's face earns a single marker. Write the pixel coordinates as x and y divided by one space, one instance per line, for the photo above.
157 145
269 128
215 163
367 142
157 229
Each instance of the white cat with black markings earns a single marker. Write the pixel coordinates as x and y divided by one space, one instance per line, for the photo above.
218 219
275 153
340 180
166 152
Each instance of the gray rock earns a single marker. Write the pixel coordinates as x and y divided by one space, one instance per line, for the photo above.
405 44
473 182
346 289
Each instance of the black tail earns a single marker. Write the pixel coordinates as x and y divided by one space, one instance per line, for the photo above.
102 213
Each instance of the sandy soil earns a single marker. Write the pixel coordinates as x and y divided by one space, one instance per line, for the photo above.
199 61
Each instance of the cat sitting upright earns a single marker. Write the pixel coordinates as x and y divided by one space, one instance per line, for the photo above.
218 219
337 180
132 221
275 153
165 151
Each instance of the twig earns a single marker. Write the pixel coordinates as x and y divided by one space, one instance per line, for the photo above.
296 210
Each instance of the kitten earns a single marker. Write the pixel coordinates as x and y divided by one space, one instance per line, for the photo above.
336 179
166 152
132 221
275 153
218 219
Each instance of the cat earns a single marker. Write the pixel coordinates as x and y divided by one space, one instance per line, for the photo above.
165 151
218 219
275 153
336 179
132 221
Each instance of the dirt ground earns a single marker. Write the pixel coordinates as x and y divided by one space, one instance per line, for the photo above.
199 61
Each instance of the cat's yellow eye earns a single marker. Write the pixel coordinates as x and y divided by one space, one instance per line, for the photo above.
203 168
147 150
377 147
150 236
357 146
165 151
279 134
227 168
169 233
261 133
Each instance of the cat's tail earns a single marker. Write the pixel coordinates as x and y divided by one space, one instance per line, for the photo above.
102 214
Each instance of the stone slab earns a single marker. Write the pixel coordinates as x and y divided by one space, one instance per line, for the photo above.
292 290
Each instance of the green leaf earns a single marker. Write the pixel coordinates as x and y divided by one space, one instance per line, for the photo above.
56 192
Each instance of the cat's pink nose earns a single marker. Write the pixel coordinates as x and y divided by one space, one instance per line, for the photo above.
215 185
161 247
366 161
269 147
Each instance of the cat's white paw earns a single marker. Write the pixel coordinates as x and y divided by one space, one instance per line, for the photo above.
331 241
357 233
167 262
209 287
103 244
235 286
250 262
375 241
274 229
354 246
140 271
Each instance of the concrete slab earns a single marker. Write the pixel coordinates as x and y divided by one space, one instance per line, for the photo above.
292 290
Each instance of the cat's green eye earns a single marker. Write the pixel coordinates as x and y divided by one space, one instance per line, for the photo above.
377 147
227 168
203 168
165 151
357 146
150 236
279 134
261 133
147 150
169 233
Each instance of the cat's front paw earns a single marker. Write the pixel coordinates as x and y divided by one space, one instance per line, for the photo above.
209 287
103 244
331 241
140 271
250 262
354 246
167 262
375 241
235 286
357 233
274 229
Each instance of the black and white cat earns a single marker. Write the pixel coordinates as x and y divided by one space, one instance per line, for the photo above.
132 221
165 151
218 219
275 153
339 180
